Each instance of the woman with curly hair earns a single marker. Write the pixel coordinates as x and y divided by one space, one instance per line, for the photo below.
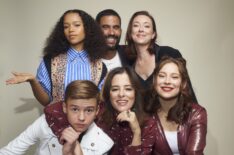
181 124
72 52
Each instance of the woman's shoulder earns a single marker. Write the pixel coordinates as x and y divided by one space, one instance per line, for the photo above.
167 51
150 122
198 112
197 107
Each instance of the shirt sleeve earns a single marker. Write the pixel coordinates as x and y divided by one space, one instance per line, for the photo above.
197 137
28 137
44 79
101 84
147 140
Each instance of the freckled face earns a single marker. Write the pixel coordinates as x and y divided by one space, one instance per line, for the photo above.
168 82
122 93
74 30
142 30
81 113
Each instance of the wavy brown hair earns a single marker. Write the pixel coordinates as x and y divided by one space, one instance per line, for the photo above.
108 117
130 49
94 42
179 112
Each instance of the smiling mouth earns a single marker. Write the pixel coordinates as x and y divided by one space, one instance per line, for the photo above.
167 89
122 102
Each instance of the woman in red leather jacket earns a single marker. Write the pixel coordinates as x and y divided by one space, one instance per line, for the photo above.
181 124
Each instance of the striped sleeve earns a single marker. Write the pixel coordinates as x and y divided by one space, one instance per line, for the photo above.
43 78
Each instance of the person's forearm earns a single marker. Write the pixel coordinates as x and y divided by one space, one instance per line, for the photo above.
39 92
136 140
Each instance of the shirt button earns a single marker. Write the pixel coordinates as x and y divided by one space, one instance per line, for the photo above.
53 145
92 144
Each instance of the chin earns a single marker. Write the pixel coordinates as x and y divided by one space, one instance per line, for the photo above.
168 98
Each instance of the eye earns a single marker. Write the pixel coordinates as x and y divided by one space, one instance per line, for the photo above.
129 89
175 77
65 26
114 89
117 27
135 25
89 110
161 75
77 25
74 109
147 26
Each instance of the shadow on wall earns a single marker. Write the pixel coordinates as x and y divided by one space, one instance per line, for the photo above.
211 144
28 105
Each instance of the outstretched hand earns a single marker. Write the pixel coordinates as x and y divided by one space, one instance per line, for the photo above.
20 78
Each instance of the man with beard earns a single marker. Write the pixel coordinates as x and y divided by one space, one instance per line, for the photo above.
110 23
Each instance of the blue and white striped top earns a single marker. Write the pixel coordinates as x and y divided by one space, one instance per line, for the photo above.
78 68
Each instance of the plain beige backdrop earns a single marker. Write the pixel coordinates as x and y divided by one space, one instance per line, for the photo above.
203 31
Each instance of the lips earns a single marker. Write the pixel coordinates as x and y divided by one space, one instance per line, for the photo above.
72 36
140 35
167 89
80 126
122 102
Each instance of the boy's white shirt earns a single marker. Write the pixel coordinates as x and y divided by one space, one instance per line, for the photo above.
94 142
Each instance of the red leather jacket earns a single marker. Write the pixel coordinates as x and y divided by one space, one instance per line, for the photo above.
191 135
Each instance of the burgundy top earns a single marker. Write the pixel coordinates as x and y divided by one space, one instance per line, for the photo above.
56 118
191 135
122 136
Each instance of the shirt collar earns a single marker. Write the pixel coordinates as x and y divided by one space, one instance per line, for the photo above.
88 139
73 54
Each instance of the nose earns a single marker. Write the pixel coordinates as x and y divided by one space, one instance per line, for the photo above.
121 93
111 31
167 80
141 28
81 116
71 28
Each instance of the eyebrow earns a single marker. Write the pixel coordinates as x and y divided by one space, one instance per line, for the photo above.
119 86
74 105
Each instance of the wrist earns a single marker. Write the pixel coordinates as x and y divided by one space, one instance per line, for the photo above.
32 79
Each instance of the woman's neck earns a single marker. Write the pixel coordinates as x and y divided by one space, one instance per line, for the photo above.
166 105
142 52
78 48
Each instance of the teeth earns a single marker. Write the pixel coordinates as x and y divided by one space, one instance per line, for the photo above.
122 102
167 88
111 39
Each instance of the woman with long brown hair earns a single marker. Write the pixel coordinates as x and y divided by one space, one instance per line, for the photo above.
181 124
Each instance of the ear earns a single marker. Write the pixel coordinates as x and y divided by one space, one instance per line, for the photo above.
184 85
98 109
64 107
153 35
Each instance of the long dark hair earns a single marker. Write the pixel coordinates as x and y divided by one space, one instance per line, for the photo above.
94 42
131 50
108 116
179 112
